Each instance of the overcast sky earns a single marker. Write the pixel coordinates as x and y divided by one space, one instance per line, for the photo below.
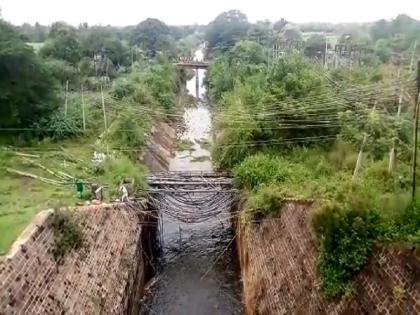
129 12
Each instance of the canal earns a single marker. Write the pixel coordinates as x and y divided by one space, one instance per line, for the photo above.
198 273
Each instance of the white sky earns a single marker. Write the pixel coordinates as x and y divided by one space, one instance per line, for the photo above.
129 12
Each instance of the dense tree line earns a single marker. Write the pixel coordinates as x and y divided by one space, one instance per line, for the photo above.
27 90
32 82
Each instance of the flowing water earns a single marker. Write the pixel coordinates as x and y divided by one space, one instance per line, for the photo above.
198 274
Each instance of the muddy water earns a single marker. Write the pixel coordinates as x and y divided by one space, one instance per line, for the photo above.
198 273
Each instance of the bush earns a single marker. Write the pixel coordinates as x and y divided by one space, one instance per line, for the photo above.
62 71
130 132
345 232
265 200
407 226
166 100
258 169
59 126
143 96
343 156
67 234
116 169
122 87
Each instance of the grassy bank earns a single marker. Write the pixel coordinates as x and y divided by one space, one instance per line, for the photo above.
23 197
40 165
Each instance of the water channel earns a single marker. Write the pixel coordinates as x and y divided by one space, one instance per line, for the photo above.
198 273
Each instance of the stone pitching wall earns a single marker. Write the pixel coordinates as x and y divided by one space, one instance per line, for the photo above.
102 277
157 154
278 260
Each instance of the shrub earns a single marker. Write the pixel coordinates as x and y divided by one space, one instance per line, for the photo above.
60 126
63 71
343 156
345 232
122 88
265 200
408 225
166 100
258 169
116 169
130 132
143 96
67 233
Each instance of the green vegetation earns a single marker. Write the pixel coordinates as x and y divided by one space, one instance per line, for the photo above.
263 201
119 168
80 109
289 128
27 92
67 233
286 124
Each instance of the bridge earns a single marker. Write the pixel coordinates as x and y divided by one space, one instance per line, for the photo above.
191 197
188 62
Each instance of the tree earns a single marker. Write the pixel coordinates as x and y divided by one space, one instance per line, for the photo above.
247 53
62 43
280 25
292 34
150 36
380 29
100 41
403 24
26 88
261 32
226 29
36 33
382 49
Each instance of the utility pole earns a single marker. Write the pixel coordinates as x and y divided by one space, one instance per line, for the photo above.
103 108
416 126
325 52
83 110
132 56
359 159
197 83
360 156
392 155
412 56
66 98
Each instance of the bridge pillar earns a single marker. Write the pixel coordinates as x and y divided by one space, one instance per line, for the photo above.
197 83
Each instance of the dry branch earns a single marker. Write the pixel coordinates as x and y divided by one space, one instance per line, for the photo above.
30 175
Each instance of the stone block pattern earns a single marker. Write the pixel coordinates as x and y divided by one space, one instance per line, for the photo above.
94 279
278 260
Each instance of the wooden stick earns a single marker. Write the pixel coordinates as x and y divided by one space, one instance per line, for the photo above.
26 154
43 179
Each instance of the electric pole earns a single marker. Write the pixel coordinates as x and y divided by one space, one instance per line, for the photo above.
83 109
412 56
392 154
416 126
103 108
66 100
325 52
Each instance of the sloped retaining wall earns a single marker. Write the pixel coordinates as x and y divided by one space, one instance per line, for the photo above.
278 266
105 276
157 154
